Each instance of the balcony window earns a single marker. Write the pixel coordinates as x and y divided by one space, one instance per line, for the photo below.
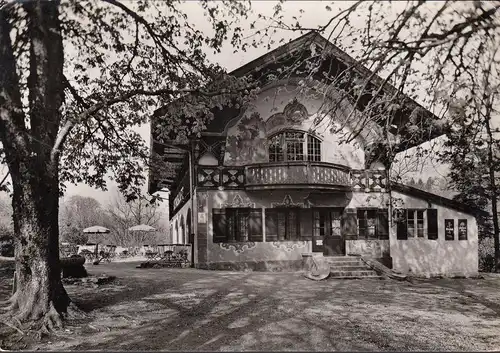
313 149
294 146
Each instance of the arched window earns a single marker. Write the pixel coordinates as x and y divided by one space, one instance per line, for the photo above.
293 145
176 235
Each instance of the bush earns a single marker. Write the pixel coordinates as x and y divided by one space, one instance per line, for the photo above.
7 248
486 255
6 242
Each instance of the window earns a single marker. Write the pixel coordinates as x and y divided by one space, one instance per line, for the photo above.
415 223
282 224
462 229
411 223
313 149
373 224
237 224
292 146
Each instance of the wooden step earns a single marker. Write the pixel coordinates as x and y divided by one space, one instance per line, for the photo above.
348 268
354 277
355 274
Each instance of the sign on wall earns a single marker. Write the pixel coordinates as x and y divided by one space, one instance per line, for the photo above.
462 229
449 229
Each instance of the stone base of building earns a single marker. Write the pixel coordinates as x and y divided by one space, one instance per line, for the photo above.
268 266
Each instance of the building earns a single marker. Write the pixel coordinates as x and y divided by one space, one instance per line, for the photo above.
260 188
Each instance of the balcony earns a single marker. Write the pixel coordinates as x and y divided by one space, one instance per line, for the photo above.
291 175
299 174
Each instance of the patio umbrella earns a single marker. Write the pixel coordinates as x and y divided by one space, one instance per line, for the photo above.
142 228
96 230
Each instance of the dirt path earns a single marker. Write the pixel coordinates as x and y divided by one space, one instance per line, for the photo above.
167 309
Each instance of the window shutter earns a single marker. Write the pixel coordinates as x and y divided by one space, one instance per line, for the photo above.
271 225
383 223
402 231
350 224
432 224
219 225
255 225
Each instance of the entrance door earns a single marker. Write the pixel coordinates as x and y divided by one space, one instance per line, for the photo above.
327 235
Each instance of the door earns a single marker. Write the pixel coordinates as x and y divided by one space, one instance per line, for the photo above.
327 235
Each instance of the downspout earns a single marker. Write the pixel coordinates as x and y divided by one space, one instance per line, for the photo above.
191 192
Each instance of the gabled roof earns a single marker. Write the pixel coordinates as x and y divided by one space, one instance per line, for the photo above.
259 69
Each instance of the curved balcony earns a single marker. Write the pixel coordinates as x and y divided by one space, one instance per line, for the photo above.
298 174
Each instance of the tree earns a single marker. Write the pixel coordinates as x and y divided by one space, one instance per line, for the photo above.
473 142
67 118
77 213
123 215
429 184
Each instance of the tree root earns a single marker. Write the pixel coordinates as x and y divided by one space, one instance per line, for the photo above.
6 323
10 304
37 321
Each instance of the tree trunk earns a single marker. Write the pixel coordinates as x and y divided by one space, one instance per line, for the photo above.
493 186
40 297
39 300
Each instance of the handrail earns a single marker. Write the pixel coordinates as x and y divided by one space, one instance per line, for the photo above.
298 163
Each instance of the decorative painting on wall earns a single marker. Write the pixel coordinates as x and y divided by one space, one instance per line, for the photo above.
289 245
237 202
237 248
449 229
249 143
287 202
462 229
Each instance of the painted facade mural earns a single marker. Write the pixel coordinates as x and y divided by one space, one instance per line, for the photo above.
248 144
279 110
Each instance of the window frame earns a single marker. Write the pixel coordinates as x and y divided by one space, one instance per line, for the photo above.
286 211
364 211
232 219
279 147
403 229
415 219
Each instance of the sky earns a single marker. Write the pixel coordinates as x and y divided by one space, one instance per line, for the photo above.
310 14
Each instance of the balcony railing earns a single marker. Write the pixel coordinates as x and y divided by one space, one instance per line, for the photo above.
305 174
299 174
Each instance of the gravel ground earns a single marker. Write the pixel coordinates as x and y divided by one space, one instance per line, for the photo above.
188 309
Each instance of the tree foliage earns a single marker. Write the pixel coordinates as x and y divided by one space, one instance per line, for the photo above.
77 213
76 77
